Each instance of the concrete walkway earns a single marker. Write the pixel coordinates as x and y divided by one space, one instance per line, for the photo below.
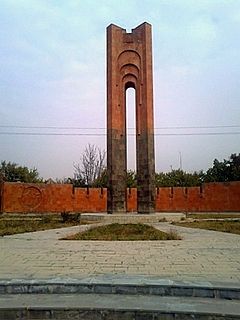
201 256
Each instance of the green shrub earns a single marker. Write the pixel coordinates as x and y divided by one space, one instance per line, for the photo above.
70 217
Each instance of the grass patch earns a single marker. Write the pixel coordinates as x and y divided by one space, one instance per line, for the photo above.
124 232
212 215
14 225
223 226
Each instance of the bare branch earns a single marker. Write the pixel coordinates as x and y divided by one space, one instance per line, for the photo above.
92 165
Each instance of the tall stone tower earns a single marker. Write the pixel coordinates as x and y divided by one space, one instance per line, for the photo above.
129 64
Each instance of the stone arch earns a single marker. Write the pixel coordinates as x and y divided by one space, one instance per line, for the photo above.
129 57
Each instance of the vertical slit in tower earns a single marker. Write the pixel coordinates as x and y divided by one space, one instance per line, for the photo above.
131 128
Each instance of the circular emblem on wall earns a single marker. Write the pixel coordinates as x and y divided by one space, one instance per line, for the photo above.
31 198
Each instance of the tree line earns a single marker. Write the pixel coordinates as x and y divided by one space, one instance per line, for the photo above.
91 171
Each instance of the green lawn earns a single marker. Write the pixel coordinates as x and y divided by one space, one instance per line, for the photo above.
224 226
121 232
213 215
17 224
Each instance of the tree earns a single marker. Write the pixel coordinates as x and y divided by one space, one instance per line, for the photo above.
12 172
235 166
92 167
223 171
102 180
65 180
178 178
131 179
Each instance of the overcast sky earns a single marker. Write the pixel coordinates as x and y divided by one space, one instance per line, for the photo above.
53 73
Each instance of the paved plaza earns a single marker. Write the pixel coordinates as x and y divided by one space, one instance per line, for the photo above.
200 256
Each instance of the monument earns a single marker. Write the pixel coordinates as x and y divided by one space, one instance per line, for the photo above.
129 65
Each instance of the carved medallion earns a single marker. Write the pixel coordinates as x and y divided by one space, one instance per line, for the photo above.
31 198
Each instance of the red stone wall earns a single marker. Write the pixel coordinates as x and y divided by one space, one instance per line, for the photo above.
22 198
1 197
210 197
132 200
90 200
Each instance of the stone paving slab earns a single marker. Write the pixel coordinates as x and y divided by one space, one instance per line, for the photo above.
201 256
112 284
166 305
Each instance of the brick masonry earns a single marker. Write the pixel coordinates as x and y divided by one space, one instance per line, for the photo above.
42 198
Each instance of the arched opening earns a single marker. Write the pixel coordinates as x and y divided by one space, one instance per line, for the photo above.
131 127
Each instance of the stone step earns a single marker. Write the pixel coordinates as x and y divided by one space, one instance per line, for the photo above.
128 285
114 306
134 217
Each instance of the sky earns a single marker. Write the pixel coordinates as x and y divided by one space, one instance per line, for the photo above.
53 74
